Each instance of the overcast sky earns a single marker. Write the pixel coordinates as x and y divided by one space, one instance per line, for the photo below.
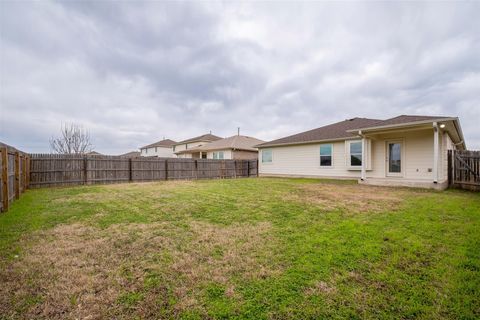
134 72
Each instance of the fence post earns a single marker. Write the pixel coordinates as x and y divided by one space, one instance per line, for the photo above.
17 175
85 171
24 173
248 168
235 168
166 169
257 168
196 170
130 173
4 151
27 172
450 168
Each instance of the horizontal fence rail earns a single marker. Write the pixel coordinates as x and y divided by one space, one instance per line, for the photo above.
14 177
48 170
464 169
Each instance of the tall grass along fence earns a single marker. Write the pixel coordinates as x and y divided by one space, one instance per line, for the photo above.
464 169
14 180
48 170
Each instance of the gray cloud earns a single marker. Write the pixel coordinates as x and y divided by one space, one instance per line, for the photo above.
135 72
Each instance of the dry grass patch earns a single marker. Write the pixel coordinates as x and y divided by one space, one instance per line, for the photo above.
78 271
356 198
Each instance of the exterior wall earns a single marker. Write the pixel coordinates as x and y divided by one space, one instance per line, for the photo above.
185 146
417 155
245 155
304 160
157 151
417 158
227 154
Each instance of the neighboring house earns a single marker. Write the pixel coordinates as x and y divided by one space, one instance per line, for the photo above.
93 153
193 143
405 150
163 149
235 147
131 154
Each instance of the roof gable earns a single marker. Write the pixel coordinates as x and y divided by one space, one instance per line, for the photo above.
162 143
234 142
403 119
204 137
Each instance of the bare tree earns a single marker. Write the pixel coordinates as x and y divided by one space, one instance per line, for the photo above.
74 139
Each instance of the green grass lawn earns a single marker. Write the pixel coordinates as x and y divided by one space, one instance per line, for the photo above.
246 248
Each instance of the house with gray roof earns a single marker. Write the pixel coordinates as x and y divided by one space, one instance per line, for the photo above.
179 148
162 148
407 150
235 147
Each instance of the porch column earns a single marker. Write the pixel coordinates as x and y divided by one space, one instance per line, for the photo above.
435 152
364 159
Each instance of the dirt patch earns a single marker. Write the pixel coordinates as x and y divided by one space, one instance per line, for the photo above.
78 271
355 198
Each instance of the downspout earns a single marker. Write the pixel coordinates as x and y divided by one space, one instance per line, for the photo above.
364 157
435 152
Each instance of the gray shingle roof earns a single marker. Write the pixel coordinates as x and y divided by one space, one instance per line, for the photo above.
204 137
330 132
346 129
161 143
237 142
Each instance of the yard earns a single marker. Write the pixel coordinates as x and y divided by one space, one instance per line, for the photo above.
245 248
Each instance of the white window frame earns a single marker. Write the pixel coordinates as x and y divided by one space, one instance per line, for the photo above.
349 154
271 157
331 155
216 155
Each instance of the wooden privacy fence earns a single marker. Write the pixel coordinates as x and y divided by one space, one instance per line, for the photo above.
62 170
464 169
14 166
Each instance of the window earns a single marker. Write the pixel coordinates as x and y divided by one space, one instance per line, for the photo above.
218 155
173 148
267 156
155 149
356 154
146 150
326 155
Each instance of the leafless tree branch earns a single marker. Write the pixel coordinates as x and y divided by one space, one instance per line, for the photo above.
73 139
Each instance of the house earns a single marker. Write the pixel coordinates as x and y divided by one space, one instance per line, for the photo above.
403 151
162 148
130 155
193 143
235 147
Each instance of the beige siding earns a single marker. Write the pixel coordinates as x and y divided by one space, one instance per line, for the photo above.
417 158
304 160
227 154
185 146
163 152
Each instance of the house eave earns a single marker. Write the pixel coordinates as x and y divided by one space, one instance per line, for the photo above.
400 125
306 142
